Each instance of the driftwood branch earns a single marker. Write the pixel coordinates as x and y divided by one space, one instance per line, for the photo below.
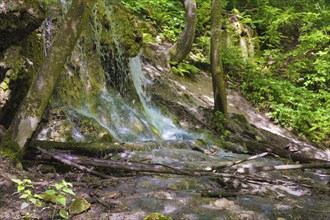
81 161
324 165
102 149
78 161
73 164
240 161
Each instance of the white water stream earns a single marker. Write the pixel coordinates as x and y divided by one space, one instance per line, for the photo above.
167 129
127 120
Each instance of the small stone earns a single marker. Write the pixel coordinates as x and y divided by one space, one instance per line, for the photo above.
79 205
157 216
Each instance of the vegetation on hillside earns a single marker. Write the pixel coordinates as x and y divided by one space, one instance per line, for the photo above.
288 76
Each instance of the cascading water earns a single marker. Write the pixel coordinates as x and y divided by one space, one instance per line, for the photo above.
101 84
125 121
163 124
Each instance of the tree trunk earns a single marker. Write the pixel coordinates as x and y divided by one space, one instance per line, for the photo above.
218 79
34 104
182 47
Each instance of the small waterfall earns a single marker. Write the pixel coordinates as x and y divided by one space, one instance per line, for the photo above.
125 120
163 124
103 86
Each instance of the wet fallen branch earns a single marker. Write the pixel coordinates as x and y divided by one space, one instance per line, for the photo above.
324 165
73 164
240 161
81 162
97 149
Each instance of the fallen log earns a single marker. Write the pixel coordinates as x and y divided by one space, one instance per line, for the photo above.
100 149
324 165
166 169
70 159
82 163
71 163
256 146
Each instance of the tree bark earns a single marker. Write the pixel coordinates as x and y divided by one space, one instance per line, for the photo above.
218 79
182 47
34 104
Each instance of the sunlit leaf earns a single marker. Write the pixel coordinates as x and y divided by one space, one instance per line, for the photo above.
24 196
61 200
24 205
69 191
50 192
63 214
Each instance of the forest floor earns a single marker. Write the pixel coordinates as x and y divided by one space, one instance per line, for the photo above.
133 195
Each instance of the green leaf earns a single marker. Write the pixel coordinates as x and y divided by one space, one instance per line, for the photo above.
24 205
58 186
18 181
69 191
38 196
63 214
61 200
27 181
20 188
50 192
33 200
64 183
24 196
28 192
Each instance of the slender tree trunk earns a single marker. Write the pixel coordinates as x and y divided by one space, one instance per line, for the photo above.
182 47
34 104
218 79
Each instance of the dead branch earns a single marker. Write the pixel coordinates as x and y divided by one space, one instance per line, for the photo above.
77 161
240 161
71 163
324 165
99 149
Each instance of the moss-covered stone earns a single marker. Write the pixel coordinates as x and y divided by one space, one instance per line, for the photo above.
14 84
10 149
79 205
156 216
118 28
18 18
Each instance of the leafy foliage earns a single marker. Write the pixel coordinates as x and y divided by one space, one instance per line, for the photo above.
54 198
289 75
219 121
184 68
167 15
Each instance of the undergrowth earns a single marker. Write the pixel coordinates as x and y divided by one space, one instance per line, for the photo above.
289 74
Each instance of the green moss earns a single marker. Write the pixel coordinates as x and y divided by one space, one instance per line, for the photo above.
118 28
10 149
33 50
107 138
157 216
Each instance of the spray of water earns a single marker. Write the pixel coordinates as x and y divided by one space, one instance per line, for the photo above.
165 126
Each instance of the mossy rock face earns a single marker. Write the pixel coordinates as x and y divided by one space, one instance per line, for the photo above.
118 28
9 149
18 18
14 82
21 52
79 205
106 44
